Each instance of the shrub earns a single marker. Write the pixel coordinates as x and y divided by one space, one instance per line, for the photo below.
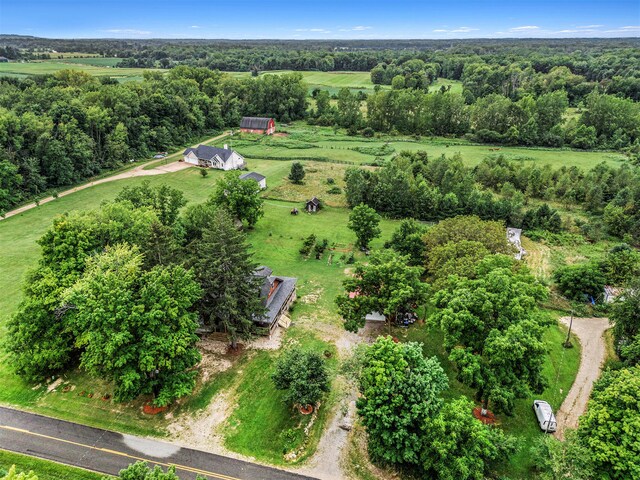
303 374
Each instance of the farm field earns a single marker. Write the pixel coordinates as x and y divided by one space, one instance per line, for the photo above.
334 81
95 61
97 68
323 144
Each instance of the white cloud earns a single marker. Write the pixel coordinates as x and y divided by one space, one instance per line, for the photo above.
196 26
525 28
587 27
315 30
464 30
127 31
631 27
457 30
359 28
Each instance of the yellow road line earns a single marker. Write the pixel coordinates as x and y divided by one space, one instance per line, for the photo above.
122 454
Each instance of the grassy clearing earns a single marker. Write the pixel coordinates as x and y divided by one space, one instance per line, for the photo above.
262 425
94 61
95 67
46 470
305 142
559 369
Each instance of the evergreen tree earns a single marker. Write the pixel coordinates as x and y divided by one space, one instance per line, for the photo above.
224 268
297 173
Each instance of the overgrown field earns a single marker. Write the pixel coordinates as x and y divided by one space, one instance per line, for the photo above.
323 144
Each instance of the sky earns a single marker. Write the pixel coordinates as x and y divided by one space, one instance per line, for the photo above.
320 19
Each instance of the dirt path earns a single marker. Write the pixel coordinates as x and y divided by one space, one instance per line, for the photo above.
138 171
590 332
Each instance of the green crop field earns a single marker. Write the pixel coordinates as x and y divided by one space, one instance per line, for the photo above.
101 69
334 81
95 61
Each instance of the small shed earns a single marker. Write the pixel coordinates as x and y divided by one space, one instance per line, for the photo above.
313 205
261 180
261 125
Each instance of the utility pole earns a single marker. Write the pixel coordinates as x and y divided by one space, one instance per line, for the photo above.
567 343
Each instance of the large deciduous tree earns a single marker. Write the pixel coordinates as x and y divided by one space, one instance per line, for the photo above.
400 389
135 327
304 376
611 427
493 331
364 221
241 198
625 317
387 284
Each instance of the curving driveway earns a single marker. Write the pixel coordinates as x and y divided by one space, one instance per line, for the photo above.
590 332
138 171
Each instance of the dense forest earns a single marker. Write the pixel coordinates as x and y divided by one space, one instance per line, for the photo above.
58 130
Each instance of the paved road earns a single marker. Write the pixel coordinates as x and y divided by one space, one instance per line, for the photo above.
109 452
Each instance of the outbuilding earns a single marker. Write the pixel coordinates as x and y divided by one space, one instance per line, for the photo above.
261 180
261 125
313 205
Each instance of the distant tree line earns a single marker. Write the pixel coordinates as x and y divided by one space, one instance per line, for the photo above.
58 130
412 185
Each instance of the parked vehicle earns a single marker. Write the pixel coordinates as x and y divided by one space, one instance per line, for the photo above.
545 416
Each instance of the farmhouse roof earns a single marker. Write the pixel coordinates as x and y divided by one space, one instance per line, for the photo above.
252 175
284 287
205 152
314 201
255 123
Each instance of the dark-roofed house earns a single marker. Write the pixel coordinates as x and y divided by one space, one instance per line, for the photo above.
277 294
313 205
260 179
4 59
261 125
214 157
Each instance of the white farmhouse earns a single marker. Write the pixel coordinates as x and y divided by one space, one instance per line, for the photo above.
214 157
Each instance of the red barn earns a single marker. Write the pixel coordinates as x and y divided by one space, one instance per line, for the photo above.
266 126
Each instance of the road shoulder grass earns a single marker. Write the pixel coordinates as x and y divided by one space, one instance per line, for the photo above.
45 469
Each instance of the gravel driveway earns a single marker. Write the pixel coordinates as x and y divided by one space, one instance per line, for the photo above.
590 332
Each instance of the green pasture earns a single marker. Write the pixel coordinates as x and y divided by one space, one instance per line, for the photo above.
95 61
98 67
324 144
334 81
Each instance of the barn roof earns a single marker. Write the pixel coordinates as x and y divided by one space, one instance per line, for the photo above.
205 152
255 123
252 175
314 201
